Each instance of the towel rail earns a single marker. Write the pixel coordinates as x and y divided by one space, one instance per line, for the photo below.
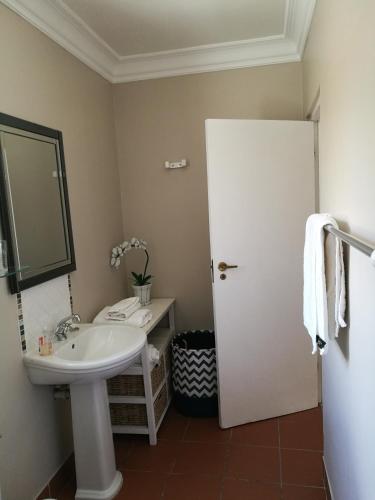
352 241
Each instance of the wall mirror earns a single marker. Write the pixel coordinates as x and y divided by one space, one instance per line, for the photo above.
35 216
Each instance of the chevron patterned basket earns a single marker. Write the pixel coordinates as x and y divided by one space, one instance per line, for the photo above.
194 373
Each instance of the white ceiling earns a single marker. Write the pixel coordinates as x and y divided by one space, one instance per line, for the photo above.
142 26
129 40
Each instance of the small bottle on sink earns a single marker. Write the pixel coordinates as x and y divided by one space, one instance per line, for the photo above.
45 345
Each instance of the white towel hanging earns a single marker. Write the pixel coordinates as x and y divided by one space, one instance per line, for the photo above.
315 311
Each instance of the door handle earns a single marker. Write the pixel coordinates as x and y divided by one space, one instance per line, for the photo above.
223 266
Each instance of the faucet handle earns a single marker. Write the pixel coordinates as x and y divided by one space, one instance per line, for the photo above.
73 318
65 325
76 318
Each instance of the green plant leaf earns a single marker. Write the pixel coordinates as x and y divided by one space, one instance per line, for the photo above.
139 280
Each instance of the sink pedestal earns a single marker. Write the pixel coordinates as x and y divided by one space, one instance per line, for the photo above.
90 355
97 477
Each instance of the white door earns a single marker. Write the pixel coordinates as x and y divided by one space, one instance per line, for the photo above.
261 190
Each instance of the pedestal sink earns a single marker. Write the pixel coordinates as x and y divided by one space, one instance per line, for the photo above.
89 356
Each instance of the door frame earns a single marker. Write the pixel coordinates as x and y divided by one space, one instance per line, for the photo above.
314 116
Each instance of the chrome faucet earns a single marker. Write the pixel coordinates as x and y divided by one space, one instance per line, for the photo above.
66 325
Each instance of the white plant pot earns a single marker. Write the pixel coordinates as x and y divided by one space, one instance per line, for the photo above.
144 294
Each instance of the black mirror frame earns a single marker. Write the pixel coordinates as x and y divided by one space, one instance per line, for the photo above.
16 285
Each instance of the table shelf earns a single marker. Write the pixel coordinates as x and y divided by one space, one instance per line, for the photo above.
157 401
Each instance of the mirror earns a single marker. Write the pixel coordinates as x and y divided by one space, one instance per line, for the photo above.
35 212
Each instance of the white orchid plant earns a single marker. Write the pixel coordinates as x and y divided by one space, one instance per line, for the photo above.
125 247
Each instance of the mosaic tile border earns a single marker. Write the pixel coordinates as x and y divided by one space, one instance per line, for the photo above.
70 292
21 325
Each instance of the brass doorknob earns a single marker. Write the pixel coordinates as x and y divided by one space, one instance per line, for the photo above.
223 266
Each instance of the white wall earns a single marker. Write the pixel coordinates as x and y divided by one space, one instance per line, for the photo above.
340 60
41 82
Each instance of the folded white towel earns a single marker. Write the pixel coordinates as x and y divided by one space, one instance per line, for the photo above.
124 304
120 318
124 309
140 318
315 293
153 354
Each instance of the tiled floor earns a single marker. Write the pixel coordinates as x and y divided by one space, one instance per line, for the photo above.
278 459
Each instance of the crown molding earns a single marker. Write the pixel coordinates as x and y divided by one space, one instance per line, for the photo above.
56 20
61 24
202 59
298 22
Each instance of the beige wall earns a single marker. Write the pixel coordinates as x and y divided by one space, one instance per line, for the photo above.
41 82
155 121
164 119
160 120
340 60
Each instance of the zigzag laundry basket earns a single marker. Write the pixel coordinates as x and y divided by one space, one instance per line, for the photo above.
194 373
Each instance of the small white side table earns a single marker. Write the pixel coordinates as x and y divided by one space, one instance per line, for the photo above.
160 337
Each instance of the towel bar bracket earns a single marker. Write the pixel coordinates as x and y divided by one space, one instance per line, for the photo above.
352 241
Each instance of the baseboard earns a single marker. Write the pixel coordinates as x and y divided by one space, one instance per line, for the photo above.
327 482
64 474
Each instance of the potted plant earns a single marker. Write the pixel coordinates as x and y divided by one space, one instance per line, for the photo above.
141 282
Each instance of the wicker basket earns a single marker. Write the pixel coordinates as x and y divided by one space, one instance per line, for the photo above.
132 385
126 385
128 414
160 403
157 375
135 414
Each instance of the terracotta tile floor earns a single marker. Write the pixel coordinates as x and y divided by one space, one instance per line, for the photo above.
277 459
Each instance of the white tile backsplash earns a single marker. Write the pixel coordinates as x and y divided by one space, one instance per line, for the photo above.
43 306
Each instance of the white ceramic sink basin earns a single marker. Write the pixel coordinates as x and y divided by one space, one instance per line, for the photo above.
92 352
90 355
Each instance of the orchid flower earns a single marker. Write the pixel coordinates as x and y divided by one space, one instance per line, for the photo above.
125 247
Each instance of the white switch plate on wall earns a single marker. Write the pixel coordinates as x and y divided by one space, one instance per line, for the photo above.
176 164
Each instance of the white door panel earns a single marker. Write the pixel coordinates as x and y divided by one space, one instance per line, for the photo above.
261 190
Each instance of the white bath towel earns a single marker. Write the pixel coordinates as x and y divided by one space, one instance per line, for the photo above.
124 304
124 309
140 318
153 354
315 312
